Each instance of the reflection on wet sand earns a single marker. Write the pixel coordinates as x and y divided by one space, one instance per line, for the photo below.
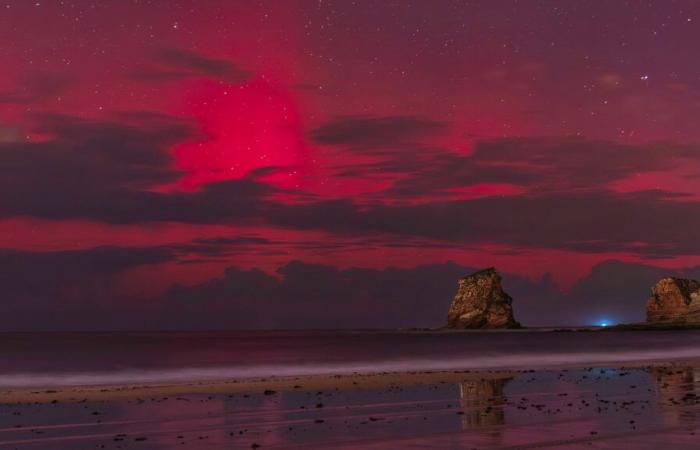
676 390
580 408
482 403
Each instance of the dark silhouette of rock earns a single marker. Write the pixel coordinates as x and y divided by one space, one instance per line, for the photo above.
481 303
674 301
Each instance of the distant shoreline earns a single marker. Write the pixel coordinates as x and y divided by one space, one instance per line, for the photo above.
639 326
617 327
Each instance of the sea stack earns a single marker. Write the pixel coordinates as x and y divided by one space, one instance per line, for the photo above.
674 301
481 303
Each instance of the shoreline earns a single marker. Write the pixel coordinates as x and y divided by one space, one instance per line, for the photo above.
81 393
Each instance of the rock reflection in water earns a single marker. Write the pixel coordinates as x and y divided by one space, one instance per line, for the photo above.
482 402
676 391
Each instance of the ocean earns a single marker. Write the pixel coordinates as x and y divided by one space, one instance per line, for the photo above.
95 358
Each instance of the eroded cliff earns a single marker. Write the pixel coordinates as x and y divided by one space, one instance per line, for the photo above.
481 303
674 301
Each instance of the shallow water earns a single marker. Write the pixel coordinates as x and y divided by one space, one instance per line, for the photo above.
59 359
558 409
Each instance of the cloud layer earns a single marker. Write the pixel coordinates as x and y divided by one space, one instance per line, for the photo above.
269 164
79 290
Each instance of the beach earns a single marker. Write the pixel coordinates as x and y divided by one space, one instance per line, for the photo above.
543 400
638 406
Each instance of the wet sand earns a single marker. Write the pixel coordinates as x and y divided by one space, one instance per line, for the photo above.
304 383
638 406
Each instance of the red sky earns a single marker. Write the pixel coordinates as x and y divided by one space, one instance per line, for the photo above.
540 137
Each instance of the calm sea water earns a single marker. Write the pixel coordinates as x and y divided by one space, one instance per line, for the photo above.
60 359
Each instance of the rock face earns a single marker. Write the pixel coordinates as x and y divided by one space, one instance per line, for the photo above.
674 301
481 303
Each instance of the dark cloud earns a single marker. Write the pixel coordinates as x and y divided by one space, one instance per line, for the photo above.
438 173
73 289
240 240
177 63
540 165
646 222
218 247
107 171
110 171
566 201
83 289
320 296
224 202
34 87
131 151
43 273
66 289
376 134
573 163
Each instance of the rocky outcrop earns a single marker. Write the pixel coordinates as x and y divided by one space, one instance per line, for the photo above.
481 303
674 301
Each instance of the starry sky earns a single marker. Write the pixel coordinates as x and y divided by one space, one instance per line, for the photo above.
337 163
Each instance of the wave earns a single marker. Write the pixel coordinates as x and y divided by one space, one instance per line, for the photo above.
192 374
